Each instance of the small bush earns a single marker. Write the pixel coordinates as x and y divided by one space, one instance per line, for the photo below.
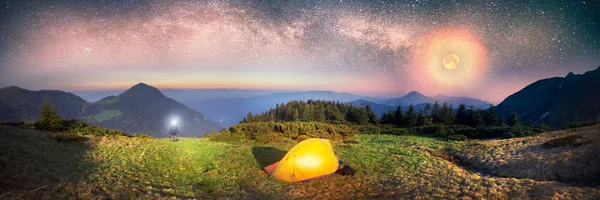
302 138
398 131
141 135
49 119
508 135
67 137
268 132
457 137
573 140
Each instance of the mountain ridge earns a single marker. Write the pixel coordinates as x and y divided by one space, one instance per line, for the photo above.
556 101
142 108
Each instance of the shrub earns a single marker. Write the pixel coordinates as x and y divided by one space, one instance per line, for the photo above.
347 132
508 135
302 137
49 119
398 131
368 129
267 138
522 131
141 135
466 131
67 137
267 132
457 137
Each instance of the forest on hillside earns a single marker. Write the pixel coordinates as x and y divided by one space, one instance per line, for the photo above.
335 112
315 111
439 120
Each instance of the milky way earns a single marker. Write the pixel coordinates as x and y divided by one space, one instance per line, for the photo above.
361 47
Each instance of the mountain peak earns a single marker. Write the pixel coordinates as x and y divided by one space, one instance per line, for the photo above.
413 94
570 75
13 88
141 84
142 90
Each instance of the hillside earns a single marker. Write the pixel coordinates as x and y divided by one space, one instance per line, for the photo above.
556 101
388 167
141 108
145 109
20 104
569 156
316 111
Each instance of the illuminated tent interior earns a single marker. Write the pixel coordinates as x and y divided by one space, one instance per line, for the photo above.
309 159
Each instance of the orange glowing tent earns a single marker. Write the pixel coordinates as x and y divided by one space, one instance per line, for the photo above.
310 159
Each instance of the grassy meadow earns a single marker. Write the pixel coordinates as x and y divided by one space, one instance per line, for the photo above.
35 166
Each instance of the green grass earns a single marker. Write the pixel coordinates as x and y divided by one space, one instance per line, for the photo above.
118 167
105 115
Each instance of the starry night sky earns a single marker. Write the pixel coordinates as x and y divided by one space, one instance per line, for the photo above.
377 48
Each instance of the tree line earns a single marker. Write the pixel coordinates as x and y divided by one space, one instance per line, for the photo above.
316 111
335 112
444 114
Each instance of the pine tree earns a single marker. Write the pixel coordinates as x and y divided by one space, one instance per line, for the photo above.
528 123
447 114
49 119
462 117
373 119
399 117
427 119
249 117
475 117
513 119
295 115
424 116
388 117
501 120
437 113
411 116
490 116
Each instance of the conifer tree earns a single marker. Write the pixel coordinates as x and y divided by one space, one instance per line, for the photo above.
399 117
462 117
411 116
437 113
513 119
49 119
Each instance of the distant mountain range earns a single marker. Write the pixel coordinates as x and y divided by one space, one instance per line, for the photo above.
416 98
379 109
200 95
142 108
229 112
556 101
419 101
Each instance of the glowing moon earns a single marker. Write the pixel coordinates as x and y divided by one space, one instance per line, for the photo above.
437 64
451 61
